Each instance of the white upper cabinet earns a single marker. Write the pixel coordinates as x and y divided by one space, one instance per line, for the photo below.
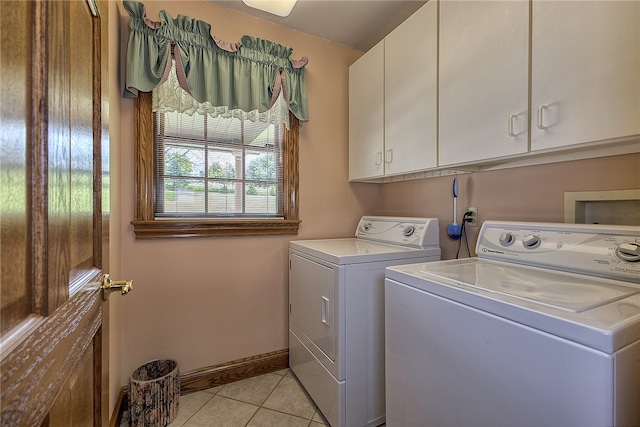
492 83
366 115
393 102
585 76
410 91
484 60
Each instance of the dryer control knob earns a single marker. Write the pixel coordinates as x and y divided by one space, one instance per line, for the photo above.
530 241
629 251
409 230
507 239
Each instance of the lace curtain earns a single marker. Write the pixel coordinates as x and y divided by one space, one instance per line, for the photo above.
169 96
191 71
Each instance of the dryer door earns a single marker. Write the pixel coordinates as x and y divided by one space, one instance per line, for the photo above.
312 290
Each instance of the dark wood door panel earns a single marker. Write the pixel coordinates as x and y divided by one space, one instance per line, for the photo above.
36 372
15 56
53 341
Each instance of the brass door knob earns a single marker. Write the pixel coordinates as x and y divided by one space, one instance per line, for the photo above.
108 286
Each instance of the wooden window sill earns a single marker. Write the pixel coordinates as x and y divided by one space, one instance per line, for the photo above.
163 228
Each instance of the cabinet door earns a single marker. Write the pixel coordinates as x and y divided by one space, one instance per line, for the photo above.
484 83
585 72
366 115
410 93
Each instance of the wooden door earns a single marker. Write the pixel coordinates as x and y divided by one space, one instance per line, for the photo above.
54 152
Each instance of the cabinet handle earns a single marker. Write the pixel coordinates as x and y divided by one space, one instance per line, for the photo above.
541 110
512 118
388 156
378 158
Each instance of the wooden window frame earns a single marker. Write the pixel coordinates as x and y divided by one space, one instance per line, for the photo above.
146 226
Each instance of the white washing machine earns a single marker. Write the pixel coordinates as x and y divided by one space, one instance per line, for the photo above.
336 313
541 329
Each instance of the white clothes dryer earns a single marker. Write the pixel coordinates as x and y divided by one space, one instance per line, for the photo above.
541 329
336 313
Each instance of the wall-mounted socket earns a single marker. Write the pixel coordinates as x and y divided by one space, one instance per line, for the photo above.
474 217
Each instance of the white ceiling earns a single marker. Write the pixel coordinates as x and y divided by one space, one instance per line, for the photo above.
359 24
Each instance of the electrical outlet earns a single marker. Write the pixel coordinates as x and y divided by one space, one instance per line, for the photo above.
474 217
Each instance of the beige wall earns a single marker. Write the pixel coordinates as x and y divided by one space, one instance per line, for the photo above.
200 300
533 193
197 300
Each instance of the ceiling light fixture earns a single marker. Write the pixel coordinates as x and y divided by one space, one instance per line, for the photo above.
276 7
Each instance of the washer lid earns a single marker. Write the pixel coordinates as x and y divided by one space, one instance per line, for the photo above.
603 314
574 293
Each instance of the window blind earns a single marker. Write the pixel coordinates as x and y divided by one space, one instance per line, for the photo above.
217 167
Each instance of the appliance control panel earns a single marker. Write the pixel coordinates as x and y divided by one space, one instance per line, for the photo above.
411 232
608 251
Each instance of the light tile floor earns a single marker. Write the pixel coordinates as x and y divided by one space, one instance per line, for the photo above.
275 399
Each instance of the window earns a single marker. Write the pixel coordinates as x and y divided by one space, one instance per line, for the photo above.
211 167
199 176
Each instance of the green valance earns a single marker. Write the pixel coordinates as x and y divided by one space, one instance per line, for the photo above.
248 75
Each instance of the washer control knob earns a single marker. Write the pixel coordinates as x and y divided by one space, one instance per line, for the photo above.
507 239
366 226
409 230
531 241
629 251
